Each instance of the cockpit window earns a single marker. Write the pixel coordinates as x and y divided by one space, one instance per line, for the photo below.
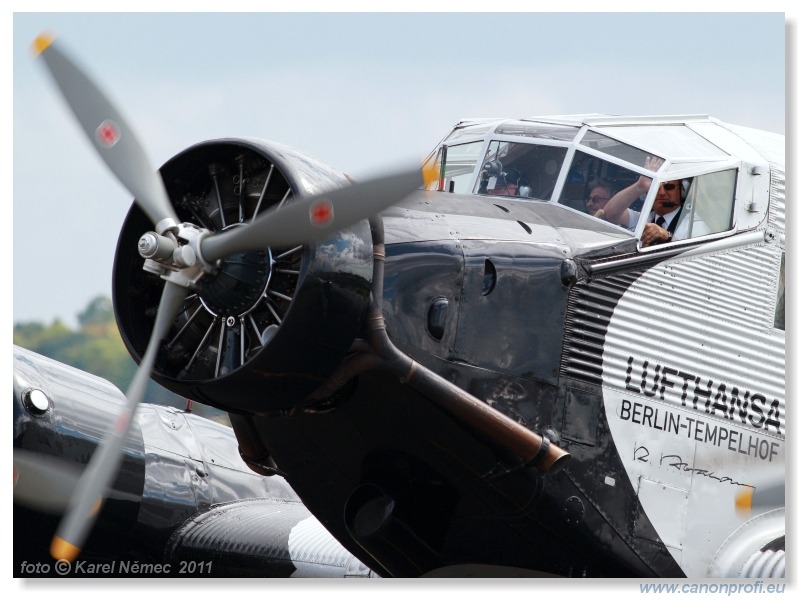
592 181
526 170
683 208
708 204
457 164
703 205
617 149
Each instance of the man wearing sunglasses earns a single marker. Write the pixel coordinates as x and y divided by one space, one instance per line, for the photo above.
599 193
664 216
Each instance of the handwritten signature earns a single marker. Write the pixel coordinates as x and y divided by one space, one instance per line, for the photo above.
641 454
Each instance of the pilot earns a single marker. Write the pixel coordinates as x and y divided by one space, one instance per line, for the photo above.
599 193
524 188
506 183
664 216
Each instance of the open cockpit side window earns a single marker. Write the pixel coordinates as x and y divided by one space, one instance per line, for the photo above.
708 205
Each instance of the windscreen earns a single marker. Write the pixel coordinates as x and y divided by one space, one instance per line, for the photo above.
525 170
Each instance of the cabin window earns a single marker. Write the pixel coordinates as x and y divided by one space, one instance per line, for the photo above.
526 170
457 164
587 172
778 321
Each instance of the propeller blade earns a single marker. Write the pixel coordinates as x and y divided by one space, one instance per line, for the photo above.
316 217
104 463
43 482
108 132
768 496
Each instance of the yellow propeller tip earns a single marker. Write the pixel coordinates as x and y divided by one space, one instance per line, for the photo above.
41 43
430 173
743 500
60 549
97 506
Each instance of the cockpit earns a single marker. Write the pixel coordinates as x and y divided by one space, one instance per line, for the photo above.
583 162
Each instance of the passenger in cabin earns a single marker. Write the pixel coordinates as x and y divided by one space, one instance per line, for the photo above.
599 193
664 217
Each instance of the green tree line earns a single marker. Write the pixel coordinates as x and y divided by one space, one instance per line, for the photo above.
97 348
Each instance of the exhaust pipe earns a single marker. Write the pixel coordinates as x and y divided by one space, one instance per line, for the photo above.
487 422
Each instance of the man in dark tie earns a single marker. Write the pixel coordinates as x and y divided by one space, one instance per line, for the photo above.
664 216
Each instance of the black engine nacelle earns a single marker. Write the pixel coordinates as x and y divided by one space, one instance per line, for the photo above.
269 326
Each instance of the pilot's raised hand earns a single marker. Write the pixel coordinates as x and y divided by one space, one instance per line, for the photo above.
652 163
616 210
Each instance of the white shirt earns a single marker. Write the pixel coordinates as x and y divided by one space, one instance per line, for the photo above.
634 217
699 227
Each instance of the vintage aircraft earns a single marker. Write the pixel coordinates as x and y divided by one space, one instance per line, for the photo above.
183 502
484 378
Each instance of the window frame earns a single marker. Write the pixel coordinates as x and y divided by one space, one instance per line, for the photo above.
667 174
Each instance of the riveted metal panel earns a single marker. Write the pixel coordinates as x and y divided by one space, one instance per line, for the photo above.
529 293
674 501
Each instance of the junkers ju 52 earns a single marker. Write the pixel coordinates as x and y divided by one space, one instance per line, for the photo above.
558 348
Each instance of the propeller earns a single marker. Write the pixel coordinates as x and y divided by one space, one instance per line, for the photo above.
42 482
108 131
85 503
767 496
316 217
304 220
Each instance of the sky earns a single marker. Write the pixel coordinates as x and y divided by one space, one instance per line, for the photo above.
360 91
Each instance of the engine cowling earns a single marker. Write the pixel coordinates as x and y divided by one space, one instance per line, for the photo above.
267 327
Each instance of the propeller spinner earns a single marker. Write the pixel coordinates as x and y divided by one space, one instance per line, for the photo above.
181 253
